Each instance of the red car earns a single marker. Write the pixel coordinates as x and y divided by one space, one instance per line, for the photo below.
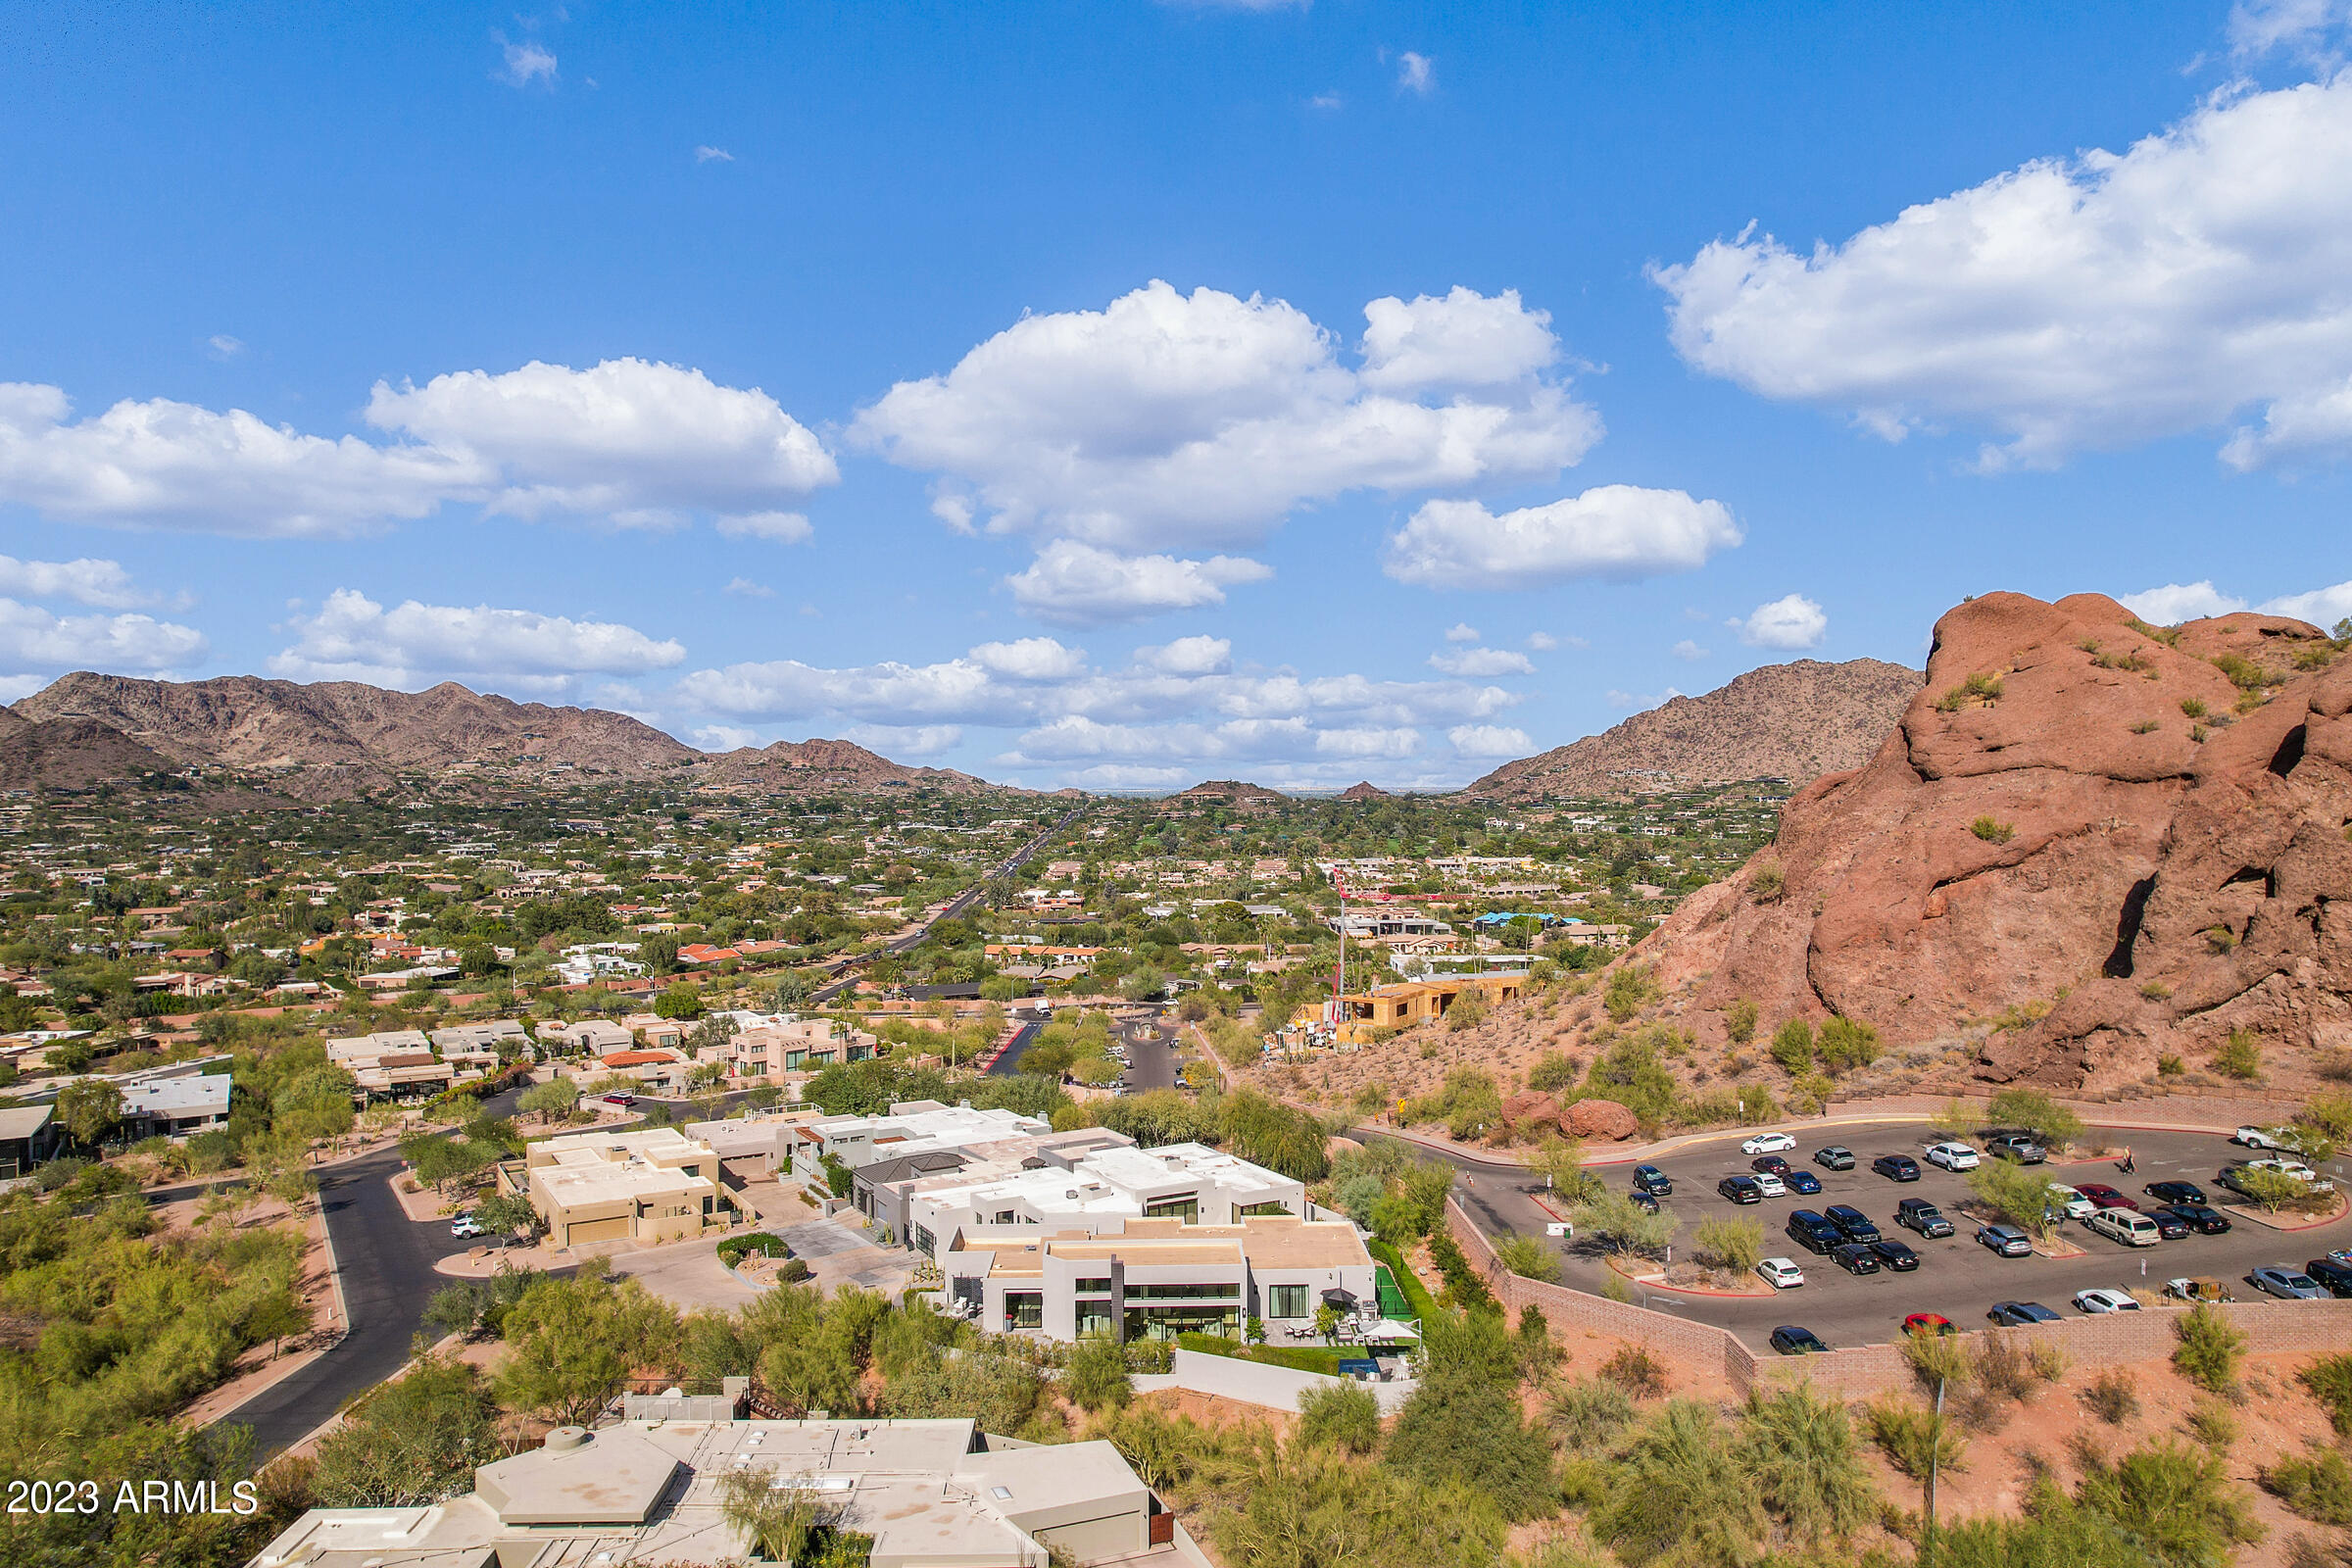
1925 1325
1770 1162
2105 1197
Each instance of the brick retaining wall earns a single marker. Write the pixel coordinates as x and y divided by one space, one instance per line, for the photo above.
1863 1370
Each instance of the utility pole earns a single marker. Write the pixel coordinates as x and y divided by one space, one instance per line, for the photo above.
1935 1455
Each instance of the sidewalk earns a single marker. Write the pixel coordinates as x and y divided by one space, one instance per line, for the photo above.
321 1287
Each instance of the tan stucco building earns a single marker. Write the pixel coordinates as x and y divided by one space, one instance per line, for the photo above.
646 1184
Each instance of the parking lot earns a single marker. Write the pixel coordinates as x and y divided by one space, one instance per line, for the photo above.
1956 1276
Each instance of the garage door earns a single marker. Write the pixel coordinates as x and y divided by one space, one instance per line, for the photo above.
597 1230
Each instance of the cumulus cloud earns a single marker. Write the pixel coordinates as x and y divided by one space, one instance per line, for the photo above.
1463 339
1490 740
222 346
713 155
1613 531
725 737
1637 703
2070 304
779 527
1481 661
898 740
1461 631
524 65
1183 421
2177 602
2305 27
1542 642
1030 659
745 588
352 637
1189 656
632 442
30 636
1076 585
2321 607
1416 73
85 581
1687 649
1790 622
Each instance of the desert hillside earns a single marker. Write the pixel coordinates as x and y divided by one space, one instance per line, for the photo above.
1794 721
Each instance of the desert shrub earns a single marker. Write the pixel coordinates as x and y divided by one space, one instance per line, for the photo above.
2174 1503
2210 1422
2168 1066
1468 1011
1630 989
1636 1371
1792 1046
1739 1021
1554 1069
2111 1398
2317 1485
2330 1381
1589 1415
1937 1359
1845 1044
1977 688
2003 1366
2156 991
2241 1055
1528 1257
2146 726
1096 1378
1992 830
1799 1449
1679 1495
2209 1349
1908 1435
2193 706
1767 882
2244 673
1729 1243
1344 1416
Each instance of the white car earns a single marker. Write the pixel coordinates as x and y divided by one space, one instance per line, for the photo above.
2291 1167
1768 1143
2100 1301
2125 1226
2264 1138
1955 1156
1781 1273
2071 1204
1768 1184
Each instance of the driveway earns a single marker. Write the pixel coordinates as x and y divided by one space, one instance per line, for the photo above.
685 1274
1151 1054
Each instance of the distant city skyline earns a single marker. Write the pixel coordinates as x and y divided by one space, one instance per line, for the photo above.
1119 395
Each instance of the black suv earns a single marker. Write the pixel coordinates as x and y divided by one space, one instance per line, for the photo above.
1654 1181
1856 1258
2335 1277
2170 1227
1895 1255
1835 1157
1897 1167
1813 1233
2174 1192
1741 1190
1917 1214
1851 1223
2203 1220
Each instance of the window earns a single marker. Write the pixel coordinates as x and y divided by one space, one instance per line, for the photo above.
1004 1216
1184 1206
1207 1291
1024 1310
1094 1287
1276 1207
1286 1300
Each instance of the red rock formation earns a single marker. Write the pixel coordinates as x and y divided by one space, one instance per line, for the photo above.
1602 1120
2105 825
1527 1113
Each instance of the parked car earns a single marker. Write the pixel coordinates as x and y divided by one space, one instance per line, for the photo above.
2009 1314
1768 1143
1654 1181
1852 1222
2334 1277
1812 1232
2128 1226
1837 1157
1928 1325
2006 1240
1789 1339
1768 1184
2288 1165
1955 1156
2268 1138
2070 1203
1741 1190
1647 1202
2203 1219
621 1099
2102 1196
2100 1301
1803 1182
1917 1214
2287 1284
1895 1256
2023 1147
1897 1167
2169 1225
466 1225
1781 1273
1774 1163
1855 1258
2174 1192
2199 1288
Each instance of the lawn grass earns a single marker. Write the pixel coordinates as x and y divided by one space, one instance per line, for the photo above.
1416 1295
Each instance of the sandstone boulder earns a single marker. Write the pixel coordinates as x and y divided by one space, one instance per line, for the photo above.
1527 1113
1603 1120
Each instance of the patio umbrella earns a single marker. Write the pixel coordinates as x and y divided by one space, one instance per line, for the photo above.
1339 1297
1387 1328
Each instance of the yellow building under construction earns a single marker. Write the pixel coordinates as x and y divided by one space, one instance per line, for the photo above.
1349 1018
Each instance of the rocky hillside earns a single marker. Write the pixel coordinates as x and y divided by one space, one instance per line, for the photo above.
1794 721
829 764
1226 792
2118 845
1365 790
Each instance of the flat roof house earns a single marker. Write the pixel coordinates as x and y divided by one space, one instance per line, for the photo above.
932 1494
174 1107
647 1184
912 1126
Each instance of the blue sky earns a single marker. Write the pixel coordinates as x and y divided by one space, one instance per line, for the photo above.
1122 393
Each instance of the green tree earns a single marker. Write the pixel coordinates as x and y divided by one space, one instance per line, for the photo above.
1801 1452
1561 1163
1679 1495
1462 1426
507 1214
2035 1112
89 1108
572 1343
1616 1221
2018 1194
679 1001
2210 1347
557 1096
1096 1378
1340 1415
412 1441
1793 1046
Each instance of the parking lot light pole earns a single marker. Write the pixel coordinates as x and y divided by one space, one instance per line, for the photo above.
1935 1455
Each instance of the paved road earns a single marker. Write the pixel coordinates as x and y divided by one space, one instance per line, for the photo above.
1007 1064
1151 1054
1956 1277
387 1265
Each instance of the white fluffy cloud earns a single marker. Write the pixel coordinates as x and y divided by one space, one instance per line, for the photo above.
1490 740
1637 702
1544 642
745 588
1075 584
1030 659
35 638
897 741
1189 656
1416 73
524 64
1169 424
1474 661
2087 302
627 441
2304 27
1790 622
85 581
2177 602
352 637
1614 531
1461 631
2321 607
1687 649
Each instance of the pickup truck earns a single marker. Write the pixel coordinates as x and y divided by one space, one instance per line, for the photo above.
2198 1288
